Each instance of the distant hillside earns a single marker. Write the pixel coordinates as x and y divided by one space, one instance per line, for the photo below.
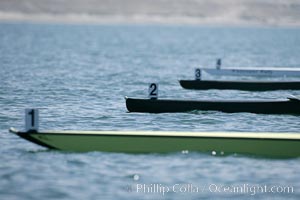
232 12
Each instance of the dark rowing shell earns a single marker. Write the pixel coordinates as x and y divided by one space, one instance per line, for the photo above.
289 106
240 85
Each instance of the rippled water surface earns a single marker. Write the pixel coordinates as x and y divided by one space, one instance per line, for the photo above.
78 76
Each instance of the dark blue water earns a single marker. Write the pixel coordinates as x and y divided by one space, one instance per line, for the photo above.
78 76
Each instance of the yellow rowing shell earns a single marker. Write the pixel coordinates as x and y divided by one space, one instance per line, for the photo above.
281 145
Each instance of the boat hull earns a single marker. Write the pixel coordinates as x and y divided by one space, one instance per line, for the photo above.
266 72
220 143
260 107
240 85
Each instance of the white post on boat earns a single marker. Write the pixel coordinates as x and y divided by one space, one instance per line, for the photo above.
198 74
219 63
153 91
31 120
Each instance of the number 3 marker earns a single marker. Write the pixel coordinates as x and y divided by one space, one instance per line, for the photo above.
198 74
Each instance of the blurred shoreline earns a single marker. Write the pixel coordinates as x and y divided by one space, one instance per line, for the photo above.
181 12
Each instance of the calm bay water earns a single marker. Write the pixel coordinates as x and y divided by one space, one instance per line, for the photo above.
78 77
